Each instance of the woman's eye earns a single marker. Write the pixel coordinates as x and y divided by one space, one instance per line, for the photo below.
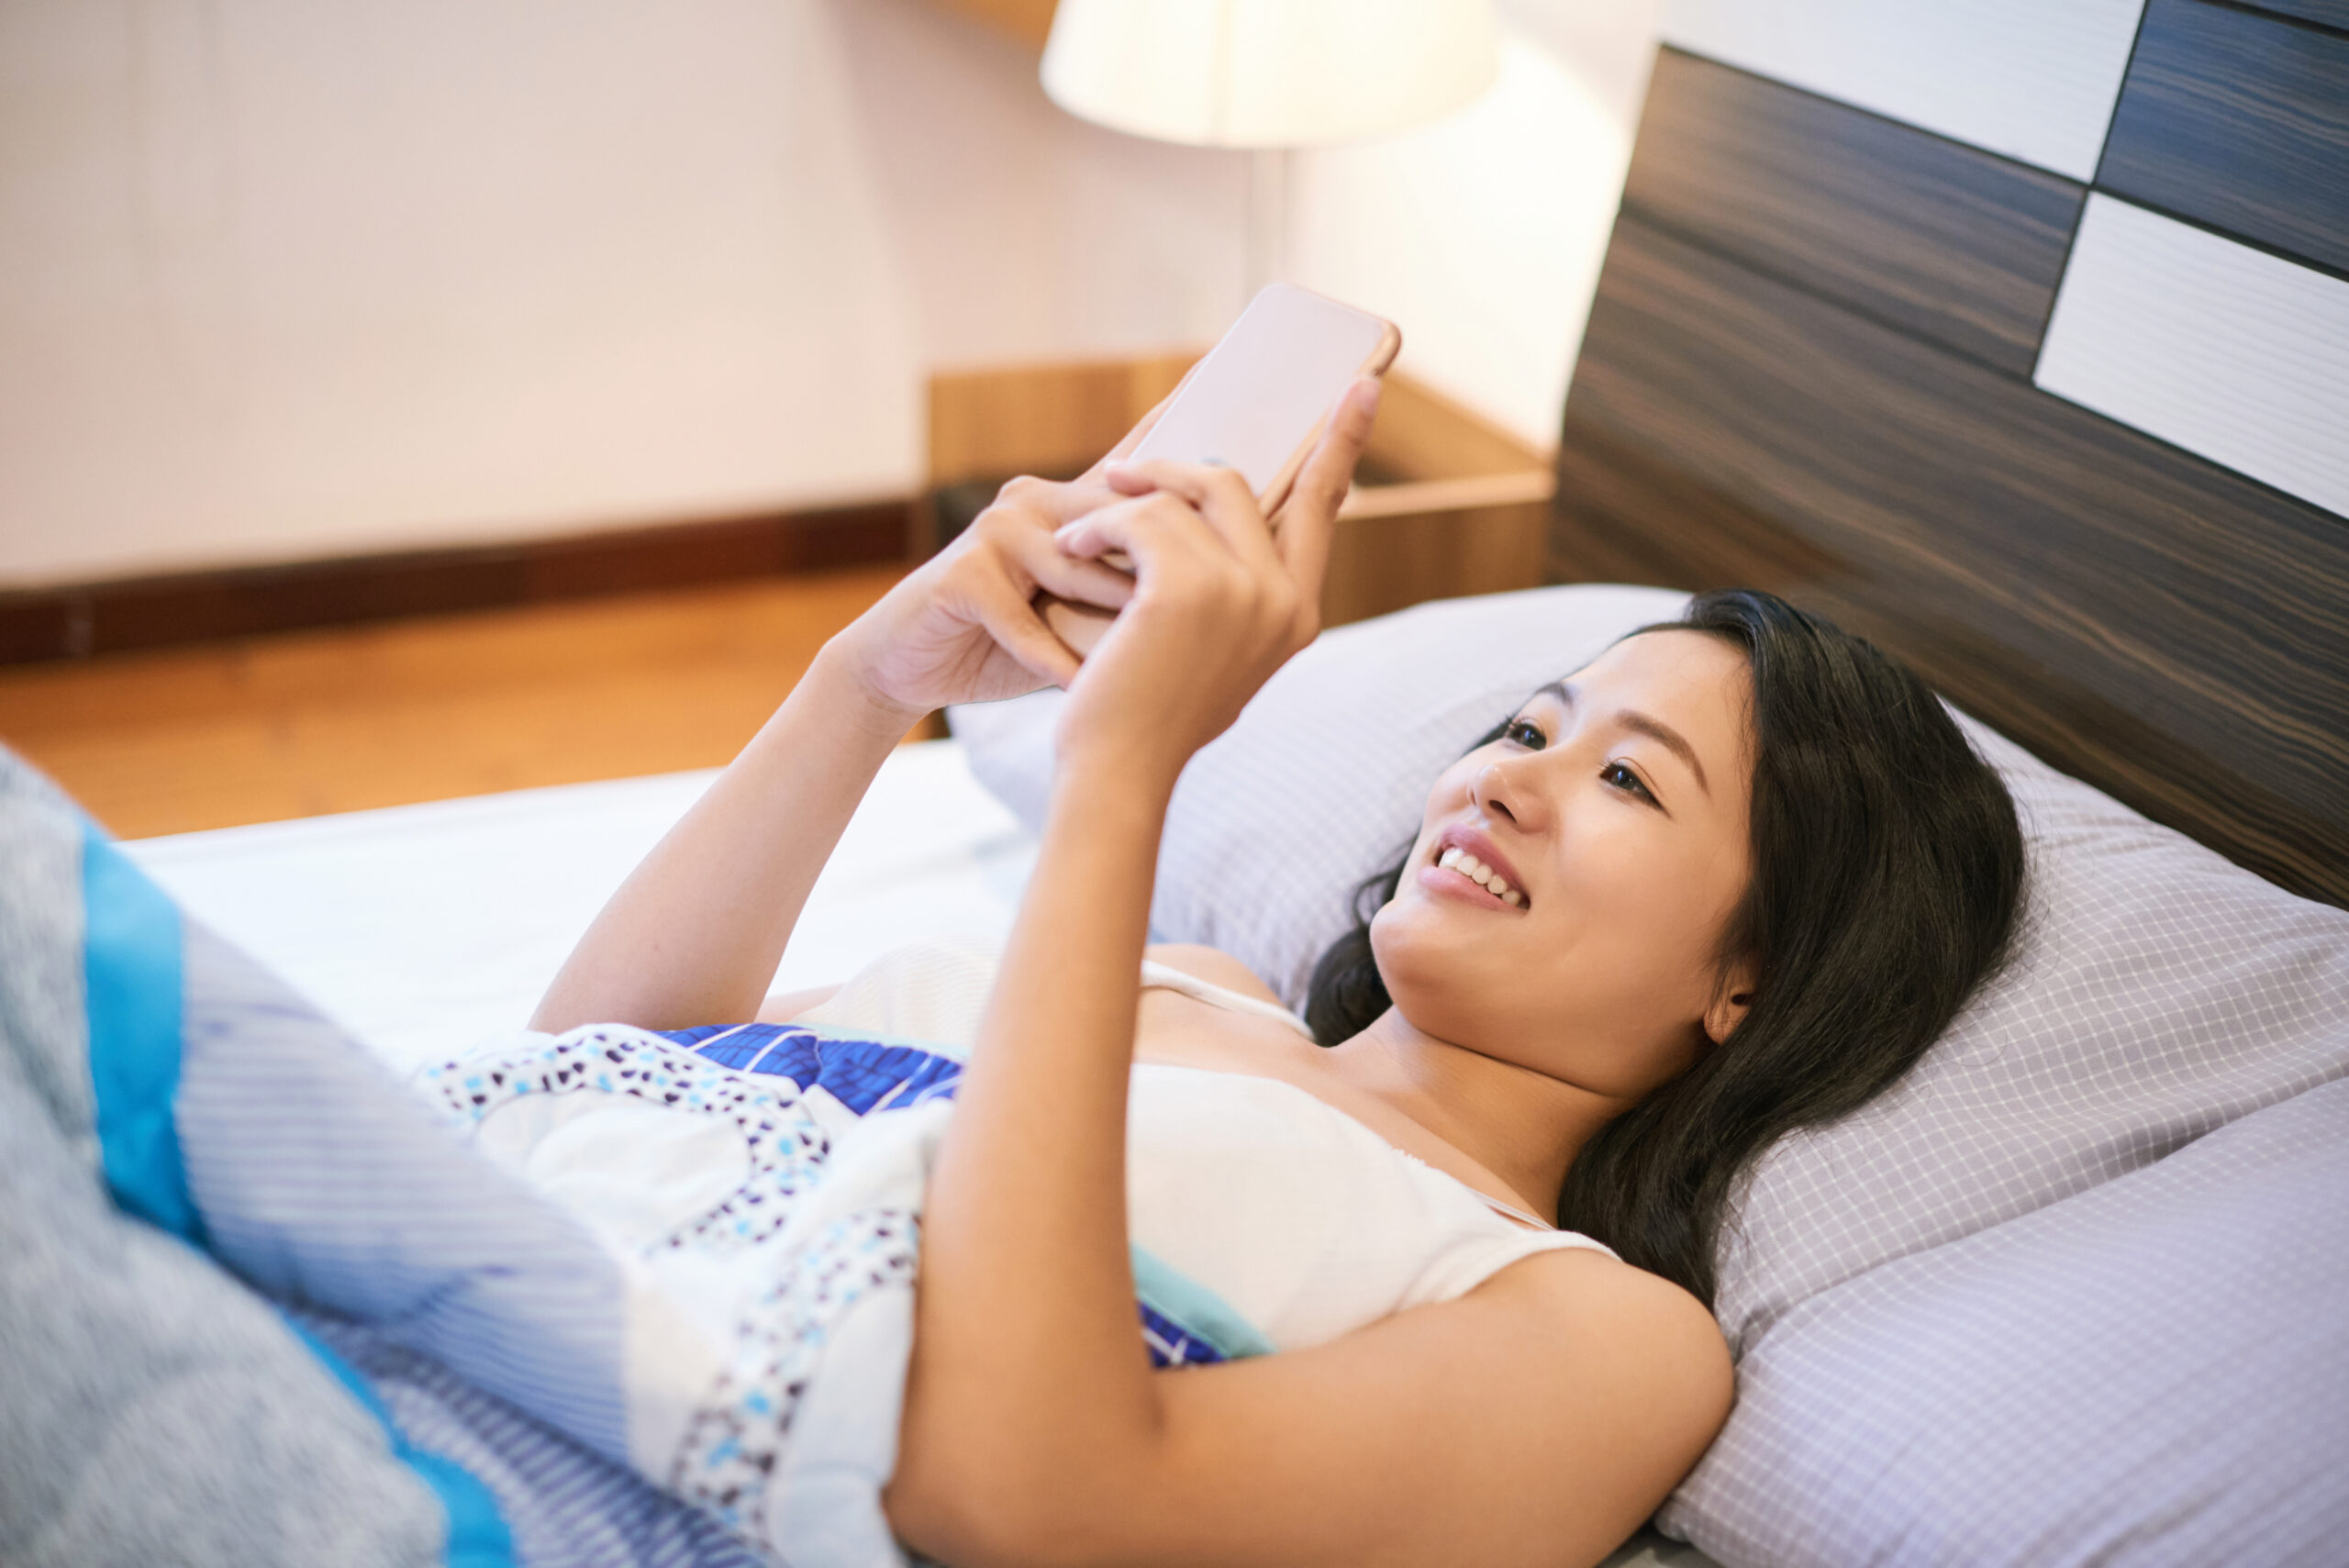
1623 778
1526 733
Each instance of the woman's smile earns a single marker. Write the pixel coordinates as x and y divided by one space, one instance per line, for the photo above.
1465 863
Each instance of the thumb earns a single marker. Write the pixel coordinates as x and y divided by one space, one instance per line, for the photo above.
1017 625
1310 515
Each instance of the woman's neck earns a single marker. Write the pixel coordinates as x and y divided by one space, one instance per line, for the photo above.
1523 1126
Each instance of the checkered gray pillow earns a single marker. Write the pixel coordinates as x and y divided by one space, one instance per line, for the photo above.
2159 991
2155 1372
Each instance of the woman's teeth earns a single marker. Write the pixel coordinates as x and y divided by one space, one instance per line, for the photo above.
1459 860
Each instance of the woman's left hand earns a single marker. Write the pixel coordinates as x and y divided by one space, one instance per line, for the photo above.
1220 599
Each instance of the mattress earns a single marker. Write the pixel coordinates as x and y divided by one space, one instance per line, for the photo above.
423 929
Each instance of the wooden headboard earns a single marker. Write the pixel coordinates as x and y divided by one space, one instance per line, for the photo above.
1826 358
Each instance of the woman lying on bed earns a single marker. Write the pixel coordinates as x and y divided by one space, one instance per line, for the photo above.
1731 878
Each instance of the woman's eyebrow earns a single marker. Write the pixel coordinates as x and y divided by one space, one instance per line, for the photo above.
1643 724
1631 718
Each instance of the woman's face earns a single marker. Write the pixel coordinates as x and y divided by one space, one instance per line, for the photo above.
1614 808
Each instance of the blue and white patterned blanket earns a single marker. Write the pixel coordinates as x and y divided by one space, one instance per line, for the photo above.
751 1197
693 1253
610 1298
474 1303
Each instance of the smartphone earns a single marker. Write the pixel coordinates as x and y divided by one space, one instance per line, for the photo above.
1256 404
1258 401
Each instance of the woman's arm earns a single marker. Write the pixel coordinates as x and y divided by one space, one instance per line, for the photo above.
695 933
1536 1421
1026 1341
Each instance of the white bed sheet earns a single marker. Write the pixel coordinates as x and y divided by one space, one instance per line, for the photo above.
423 929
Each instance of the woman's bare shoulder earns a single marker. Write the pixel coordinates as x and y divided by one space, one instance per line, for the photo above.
1655 1324
1214 966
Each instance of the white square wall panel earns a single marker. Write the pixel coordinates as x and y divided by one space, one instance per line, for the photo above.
2034 79
2233 353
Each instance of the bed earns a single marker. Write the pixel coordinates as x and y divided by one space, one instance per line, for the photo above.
1855 343
420 929
419 926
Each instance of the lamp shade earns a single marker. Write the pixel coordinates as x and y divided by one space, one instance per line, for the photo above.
1268 73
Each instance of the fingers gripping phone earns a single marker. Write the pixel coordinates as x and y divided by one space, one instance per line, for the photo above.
1256 404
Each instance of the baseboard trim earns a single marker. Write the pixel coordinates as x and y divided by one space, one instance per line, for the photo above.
76 620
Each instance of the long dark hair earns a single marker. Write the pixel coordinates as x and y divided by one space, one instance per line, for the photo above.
1888 877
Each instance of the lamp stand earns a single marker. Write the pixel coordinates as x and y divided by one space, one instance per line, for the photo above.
1268 170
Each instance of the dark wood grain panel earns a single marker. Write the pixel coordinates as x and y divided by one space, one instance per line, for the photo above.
2156 625
2241 121
2327 13
1947 242
77 620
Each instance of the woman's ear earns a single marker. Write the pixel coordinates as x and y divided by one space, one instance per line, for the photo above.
1731 1001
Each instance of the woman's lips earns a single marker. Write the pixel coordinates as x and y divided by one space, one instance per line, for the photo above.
1443 882
1466 855
1455 870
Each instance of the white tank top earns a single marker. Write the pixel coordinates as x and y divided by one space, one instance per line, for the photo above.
1262 1217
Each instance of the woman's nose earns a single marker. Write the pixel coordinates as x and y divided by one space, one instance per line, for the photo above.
1496 793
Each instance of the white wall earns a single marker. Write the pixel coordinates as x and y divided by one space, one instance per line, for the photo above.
293 277
1482 235
1026 234
284 279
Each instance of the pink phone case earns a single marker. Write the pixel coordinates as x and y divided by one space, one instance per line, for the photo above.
1260 397
1257 402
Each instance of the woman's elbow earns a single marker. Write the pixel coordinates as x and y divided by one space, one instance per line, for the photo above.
973 1516
981 1494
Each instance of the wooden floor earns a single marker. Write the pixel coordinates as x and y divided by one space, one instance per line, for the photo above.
303 723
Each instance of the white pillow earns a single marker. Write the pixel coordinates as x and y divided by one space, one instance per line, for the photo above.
2159 991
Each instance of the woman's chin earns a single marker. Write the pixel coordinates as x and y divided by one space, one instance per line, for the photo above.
1429 940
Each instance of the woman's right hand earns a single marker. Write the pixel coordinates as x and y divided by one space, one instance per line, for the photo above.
970 624
964 626
1223 597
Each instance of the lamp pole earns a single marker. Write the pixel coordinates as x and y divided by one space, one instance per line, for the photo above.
1269 182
